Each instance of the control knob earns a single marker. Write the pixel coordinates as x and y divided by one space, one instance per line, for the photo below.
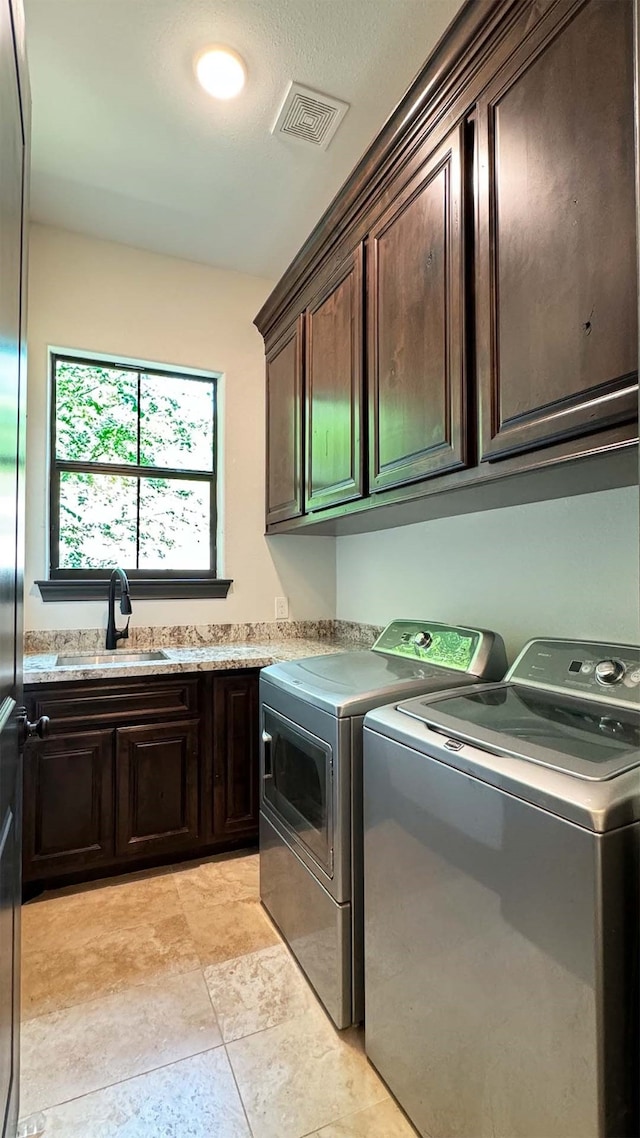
609 671
422 639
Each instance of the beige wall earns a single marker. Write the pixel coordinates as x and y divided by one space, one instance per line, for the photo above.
97 296
568 567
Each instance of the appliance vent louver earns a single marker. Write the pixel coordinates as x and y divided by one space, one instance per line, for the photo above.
309 116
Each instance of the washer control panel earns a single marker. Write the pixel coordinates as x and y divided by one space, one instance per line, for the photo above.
609 672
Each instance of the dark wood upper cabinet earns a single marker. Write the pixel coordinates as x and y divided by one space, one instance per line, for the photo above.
284 424
156 788
415 282
235 754
333 382
556 272
497 214
68 801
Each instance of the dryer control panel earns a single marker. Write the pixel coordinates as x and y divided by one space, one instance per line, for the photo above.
473 650
609 673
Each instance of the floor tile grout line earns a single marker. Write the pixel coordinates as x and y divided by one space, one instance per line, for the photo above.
112 995
177 870
129 1079
124 928
213 1006
387 1097
316 1004
117 992
141 983
260 1030
170 871
268 1027
350 1114
200 967
385 1094
228 1057
237 1086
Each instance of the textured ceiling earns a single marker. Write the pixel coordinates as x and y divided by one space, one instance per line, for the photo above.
126 146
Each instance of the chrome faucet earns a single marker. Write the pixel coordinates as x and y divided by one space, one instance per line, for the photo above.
114 634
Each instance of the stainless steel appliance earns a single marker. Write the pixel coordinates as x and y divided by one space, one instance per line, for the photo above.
501 854
311 790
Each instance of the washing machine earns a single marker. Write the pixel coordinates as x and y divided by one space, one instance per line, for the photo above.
502 890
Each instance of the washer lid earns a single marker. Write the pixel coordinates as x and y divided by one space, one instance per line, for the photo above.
574 736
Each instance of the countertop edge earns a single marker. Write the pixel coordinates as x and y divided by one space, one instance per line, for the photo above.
40 669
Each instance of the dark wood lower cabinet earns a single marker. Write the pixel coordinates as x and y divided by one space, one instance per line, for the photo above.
235 756
68 804
123 785
156 788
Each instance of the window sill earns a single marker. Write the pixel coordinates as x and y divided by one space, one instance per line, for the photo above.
141 588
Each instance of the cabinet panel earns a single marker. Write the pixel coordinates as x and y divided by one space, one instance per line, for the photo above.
157 787
68 802
284 425
556 283
235 755
121 701
334 388
416 326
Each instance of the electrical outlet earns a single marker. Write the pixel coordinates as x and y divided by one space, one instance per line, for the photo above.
282 608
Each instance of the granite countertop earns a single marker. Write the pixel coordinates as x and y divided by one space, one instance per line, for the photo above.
41 668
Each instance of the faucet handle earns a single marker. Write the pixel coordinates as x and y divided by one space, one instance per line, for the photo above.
123 633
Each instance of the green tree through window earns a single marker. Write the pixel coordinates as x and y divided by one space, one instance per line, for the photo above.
133 469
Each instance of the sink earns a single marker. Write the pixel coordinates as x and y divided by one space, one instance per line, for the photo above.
100 659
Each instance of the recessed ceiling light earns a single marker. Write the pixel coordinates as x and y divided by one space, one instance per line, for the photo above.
221 72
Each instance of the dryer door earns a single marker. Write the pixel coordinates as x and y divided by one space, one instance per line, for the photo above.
297 785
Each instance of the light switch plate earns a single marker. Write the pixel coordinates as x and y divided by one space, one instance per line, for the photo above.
282 608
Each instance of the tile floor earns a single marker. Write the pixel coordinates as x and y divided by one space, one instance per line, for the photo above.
166 1005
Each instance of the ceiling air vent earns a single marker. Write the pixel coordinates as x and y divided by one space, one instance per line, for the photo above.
309 116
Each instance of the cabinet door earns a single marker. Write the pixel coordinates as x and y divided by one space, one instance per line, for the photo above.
334 388
284 425
416 327
235 755
68 803
556 276
157 788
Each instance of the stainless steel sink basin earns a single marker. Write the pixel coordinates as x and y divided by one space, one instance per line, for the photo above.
100 659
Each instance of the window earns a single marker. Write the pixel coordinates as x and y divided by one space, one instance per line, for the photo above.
133 480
